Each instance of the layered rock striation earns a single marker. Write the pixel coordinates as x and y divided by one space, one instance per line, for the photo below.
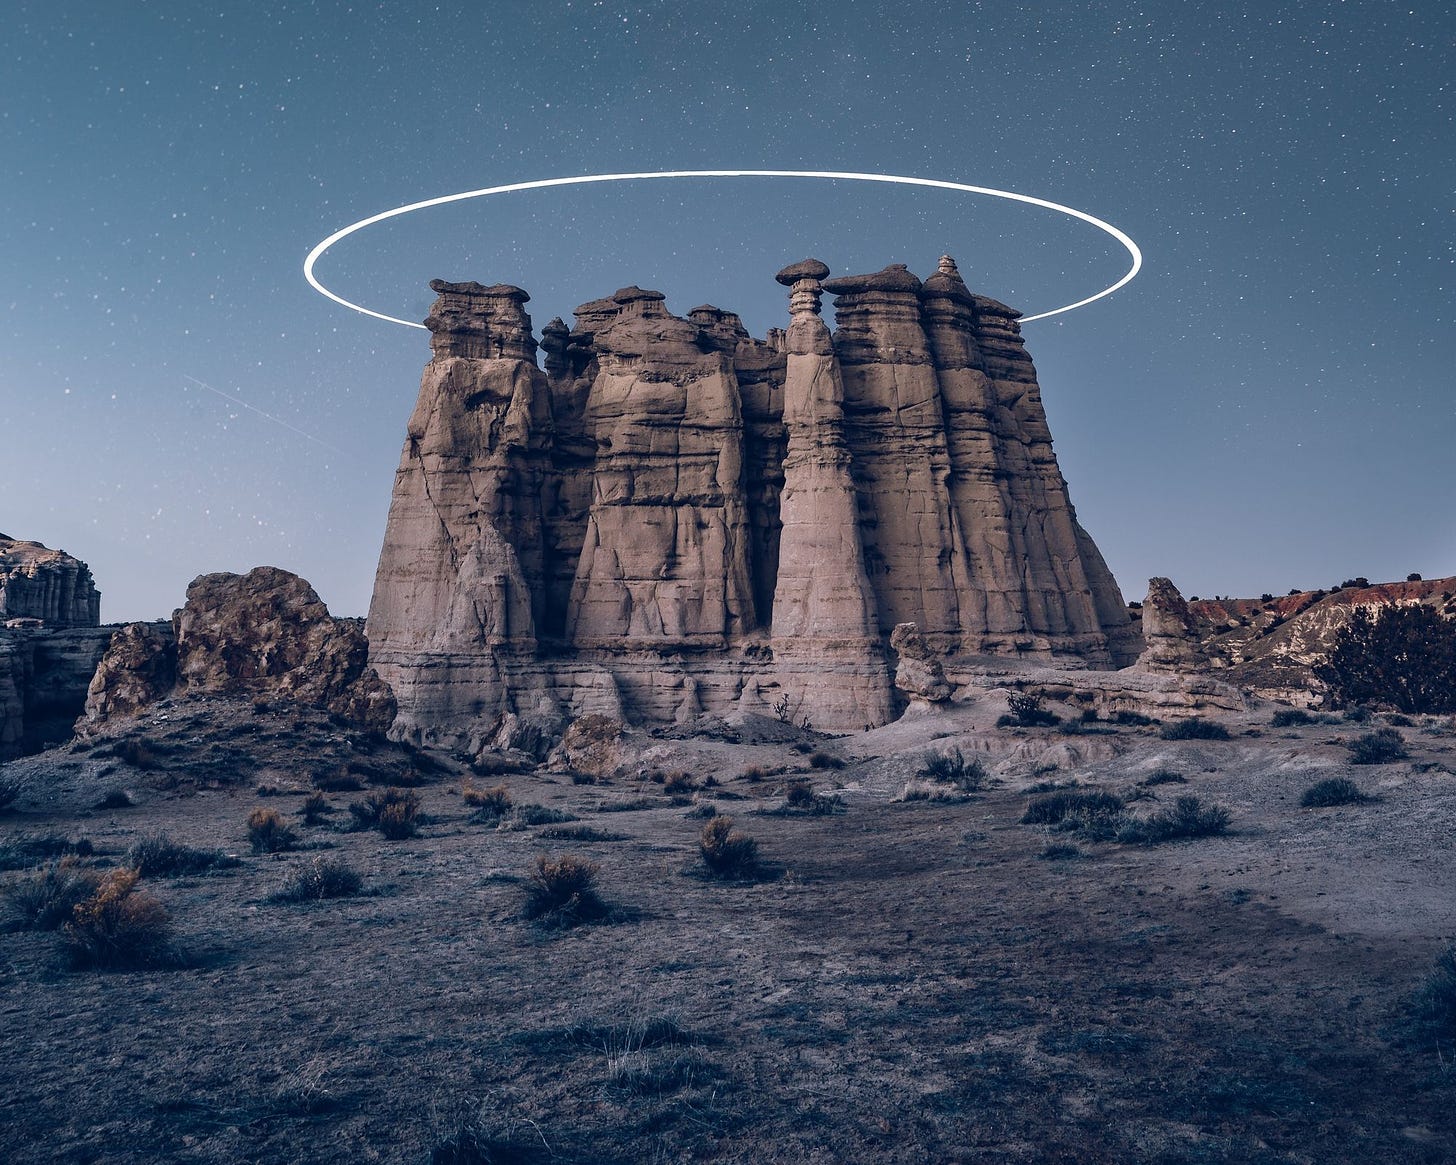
673 518
37 583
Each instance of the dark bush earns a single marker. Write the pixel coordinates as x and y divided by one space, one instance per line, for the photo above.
268 833
1433 1010
159 856
562 891
44 899
1024 710
1194 728
527 816
1405 656
9 792
952 768
1396 720
320 878
1055 808
1332 791
1290 718
1134 719
495 801
119 927
22 852
799 796
754 775
726 852
1377 748
394 812
1060 852
679 784
116 799
1188 818
1166 777
824 760
316 809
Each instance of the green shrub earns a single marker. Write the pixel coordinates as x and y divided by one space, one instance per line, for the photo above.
1332 791
1404 655
1290 717
158 856
726 852
1194 728
1377 748
952 768
1189 818
119 927
268 833
320 878
44 899
562 891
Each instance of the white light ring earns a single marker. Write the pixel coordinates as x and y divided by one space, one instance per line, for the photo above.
318 251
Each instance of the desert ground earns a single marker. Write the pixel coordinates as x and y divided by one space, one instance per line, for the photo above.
921 980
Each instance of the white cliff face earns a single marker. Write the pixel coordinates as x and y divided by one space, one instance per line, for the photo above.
49 585
696 521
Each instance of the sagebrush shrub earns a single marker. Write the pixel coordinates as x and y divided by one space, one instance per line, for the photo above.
1194 728
394 812
726 852
824 760
952 768
44 899
562 890
320 878
10 791
158 856
1332 791
677 784
1024 710
799 796
1054 808
268 833
1433 1010
1377 748
1189 818
496 799
316 809
1290 718
119 927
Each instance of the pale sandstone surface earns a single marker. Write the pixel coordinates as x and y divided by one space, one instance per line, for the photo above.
706 523
50 585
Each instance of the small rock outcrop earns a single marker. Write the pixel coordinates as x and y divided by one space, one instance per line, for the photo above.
51 586
702 523
1169 631
263 633
918 672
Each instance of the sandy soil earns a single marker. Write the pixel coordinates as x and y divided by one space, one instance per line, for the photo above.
905 981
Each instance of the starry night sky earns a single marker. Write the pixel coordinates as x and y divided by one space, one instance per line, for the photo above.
1269 405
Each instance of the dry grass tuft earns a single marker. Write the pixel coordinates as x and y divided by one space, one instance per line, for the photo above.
562 891
394 812
158 856
320 878
726 852
495 800
44 899
119 928
268 833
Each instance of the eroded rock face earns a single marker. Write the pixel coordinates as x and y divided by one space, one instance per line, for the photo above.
1169 630
706 523
43 678
265 633
47 585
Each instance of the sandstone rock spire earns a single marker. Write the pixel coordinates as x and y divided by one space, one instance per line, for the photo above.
824 614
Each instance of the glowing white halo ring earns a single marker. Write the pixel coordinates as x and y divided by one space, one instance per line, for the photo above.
318 251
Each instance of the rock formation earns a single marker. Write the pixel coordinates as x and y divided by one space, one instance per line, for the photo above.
1169 631
264 633
46 585
675 519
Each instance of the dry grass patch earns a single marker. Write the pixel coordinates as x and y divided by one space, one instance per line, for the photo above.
394 812
44 899
726 852
561 891
268 833
119 928
320 878
158 856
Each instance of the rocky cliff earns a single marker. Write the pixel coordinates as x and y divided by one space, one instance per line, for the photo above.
1268 646
51 586
674 518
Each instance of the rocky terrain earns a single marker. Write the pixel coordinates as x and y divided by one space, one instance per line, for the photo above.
40 585
909 973
675 519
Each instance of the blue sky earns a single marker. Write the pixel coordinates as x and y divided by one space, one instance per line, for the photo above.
1269 405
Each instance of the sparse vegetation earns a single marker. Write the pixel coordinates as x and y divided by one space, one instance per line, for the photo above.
1433 1010
754 775
116 799
119 928
824 760
10 791
1060 852
158 856
1332 791
316 809
530 815
393 811
952 768
319 878
1024 710
1165 777
1291 718
492 802
1405 655
562 891
1194 728
1055 808
679 784
1132 719
1377 748
1189 818
44 899
727 852
268 833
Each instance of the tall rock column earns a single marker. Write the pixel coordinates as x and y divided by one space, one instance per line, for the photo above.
826 636
460 580
664 561
896 433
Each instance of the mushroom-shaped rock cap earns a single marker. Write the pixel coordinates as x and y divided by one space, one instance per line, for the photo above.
804 269
895 277
495 291
634 293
